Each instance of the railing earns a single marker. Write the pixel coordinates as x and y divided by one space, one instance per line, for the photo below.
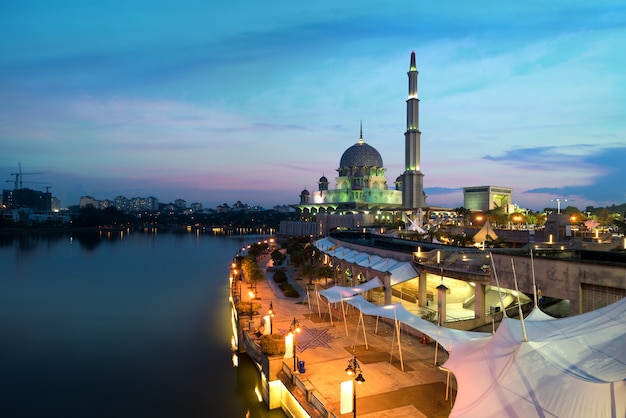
466 267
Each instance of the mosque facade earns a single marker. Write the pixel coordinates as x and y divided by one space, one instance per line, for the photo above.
361 185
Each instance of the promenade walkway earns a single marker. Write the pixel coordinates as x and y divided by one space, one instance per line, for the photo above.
419 390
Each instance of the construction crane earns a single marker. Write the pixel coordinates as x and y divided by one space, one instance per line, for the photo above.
18 176
33 182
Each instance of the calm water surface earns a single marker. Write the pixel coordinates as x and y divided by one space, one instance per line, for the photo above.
120 325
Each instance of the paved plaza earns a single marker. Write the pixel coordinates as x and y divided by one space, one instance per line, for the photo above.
401 380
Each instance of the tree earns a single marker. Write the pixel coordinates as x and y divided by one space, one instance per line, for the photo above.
621 225
464 213
499 242
277 258
326 272
461 240
604 216
309 270
251 271
571 210
497 217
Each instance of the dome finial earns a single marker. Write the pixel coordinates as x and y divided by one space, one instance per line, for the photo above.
361 134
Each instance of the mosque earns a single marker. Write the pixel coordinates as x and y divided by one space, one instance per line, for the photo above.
362 195
361 187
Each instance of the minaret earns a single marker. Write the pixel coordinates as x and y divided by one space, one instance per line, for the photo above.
413 179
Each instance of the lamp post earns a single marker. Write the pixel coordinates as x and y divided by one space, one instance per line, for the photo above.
251 294
354 369
294 328
270 313
558 205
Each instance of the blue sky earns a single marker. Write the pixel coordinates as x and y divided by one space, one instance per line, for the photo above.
215 102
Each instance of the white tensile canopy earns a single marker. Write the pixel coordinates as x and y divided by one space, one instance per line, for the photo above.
540 366
338 293
447 337
485 231
568 367
369 261
402 272
324 244
384 264
361 258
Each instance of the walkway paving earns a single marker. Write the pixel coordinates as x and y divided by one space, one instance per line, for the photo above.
400 380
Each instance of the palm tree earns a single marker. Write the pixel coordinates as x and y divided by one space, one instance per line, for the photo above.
499 242
464 213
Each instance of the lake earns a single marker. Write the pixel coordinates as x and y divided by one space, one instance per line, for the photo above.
121 324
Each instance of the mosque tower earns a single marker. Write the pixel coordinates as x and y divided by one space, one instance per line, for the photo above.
412 179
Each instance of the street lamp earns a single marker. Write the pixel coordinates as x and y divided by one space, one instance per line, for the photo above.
270 313
251 294
354 369
294 328
558 204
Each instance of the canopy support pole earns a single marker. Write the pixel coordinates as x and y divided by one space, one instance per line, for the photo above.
399 344
495 275
308 298
330 313
343 310
363 327
519 305
317 293
356 334
395 330
532 265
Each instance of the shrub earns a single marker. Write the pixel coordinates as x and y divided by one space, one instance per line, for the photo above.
288 290
280 277
273 344
243 307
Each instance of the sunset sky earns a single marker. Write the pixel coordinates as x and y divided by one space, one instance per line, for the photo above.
215 102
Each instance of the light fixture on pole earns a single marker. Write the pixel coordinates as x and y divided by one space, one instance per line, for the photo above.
558 204
251 294
354 369
270 313
294 328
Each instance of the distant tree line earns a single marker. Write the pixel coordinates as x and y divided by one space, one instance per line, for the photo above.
89 216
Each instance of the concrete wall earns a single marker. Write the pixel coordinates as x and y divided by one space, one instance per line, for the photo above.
556 278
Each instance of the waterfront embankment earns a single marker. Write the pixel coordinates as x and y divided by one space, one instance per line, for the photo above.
401 371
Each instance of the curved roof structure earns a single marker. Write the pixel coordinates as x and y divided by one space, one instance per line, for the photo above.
361 155
568 367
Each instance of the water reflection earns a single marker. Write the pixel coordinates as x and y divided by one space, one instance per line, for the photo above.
120 324
88 240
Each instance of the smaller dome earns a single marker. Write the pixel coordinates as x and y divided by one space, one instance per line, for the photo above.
304 192
323 179
399 179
